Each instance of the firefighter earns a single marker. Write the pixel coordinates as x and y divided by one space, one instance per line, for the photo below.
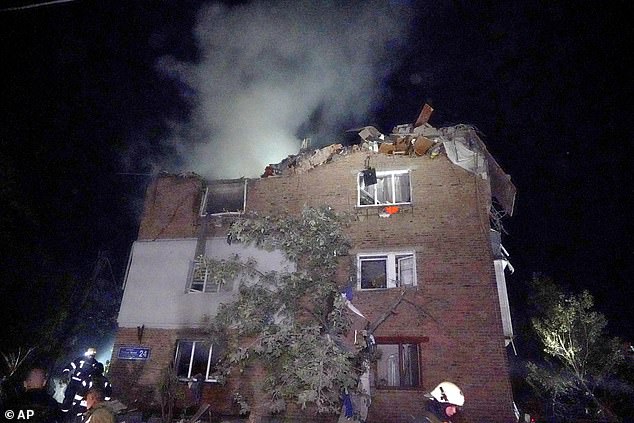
78 374
96 380
443 402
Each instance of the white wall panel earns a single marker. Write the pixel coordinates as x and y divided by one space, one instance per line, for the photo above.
156 286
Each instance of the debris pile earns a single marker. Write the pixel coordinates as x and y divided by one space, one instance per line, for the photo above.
460 143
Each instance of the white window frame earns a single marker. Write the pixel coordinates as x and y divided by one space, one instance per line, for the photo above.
209 286
392 260
372 188
203 201
191 359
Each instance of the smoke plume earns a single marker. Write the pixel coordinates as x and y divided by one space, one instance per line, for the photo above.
271 73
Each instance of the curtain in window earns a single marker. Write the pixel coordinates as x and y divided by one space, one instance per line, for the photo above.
401 188
398 365
410 365
388 366
405 269
384 190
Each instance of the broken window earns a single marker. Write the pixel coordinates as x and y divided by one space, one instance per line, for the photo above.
201 280
377 271
398 365
195 359
391 187
224 197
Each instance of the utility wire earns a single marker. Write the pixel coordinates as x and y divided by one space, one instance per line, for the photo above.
33 6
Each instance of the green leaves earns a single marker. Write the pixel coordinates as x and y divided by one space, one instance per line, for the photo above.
585 358
314 238
571 330
289 320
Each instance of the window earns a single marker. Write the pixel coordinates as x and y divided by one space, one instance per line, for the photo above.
377 271
224 197
194 358
397 366
201 280
391 187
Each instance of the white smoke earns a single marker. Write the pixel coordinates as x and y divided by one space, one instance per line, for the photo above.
268 69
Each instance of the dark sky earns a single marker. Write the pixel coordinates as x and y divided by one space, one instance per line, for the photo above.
94 93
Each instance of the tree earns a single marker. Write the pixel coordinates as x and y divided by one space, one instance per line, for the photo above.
68 312
576 382
291 324
10 364
169 393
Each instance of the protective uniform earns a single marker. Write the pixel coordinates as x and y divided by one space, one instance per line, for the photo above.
443 396
78 372
96 379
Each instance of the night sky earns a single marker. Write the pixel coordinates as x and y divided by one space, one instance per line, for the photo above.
96 96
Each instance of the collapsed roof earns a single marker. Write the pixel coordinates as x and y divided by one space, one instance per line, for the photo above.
461 144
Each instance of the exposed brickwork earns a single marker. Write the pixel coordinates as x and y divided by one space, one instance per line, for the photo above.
172 204
454 306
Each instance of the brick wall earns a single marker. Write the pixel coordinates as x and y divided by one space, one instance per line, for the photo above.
172 204
454 306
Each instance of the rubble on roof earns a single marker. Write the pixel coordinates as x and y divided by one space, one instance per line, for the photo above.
424 115
370 134
318 157
463 149
461 144
472 155
302 162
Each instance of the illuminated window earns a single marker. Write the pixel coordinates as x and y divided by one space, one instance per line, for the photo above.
387 188
390 270
224 197
195 358
398 365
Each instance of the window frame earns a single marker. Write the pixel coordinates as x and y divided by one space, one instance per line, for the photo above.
209 366
400 343
205 197
392 277
219 288
382 174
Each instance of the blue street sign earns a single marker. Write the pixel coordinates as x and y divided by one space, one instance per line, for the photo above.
133 353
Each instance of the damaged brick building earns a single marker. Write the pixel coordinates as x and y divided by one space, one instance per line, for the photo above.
429 266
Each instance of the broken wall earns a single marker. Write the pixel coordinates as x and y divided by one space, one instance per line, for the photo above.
453 313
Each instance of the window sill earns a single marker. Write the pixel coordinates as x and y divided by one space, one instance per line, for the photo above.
359 289
220 214
186 380
398 388
368 206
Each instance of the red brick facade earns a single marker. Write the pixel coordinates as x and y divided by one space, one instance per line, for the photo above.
453 311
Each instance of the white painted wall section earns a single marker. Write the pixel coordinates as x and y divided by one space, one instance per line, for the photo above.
156 294
505 308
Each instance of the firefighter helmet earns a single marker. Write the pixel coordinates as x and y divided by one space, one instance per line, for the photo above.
448 393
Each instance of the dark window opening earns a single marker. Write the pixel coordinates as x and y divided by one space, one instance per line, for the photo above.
373 272
195 358
224 197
